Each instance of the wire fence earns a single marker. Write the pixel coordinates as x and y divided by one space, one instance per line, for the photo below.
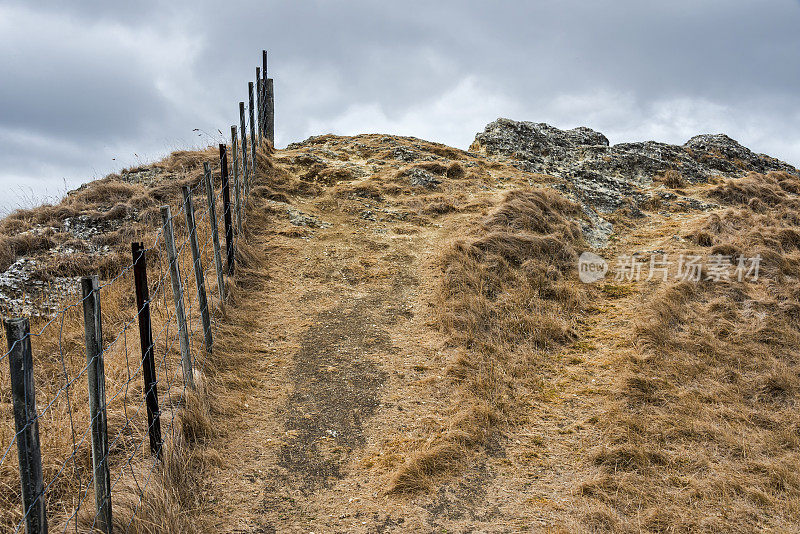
92 395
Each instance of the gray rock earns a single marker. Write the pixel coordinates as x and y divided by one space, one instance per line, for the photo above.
604 178
22 294
605 175
597 230
298 218
422 178
402 153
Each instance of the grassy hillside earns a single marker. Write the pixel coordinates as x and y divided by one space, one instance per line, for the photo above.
409 349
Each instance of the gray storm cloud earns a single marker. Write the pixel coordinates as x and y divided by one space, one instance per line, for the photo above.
89 87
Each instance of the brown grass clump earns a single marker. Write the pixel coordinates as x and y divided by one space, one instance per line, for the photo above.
105 192
672 179
333 175
444 151
12 247
770 189
369 190
433 166
455 171
507 294
122 209
187 160
749 228
278 180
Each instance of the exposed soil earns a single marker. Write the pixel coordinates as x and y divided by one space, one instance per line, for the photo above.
335 391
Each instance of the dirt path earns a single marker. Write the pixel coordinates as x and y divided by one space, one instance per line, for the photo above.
325 361
342 366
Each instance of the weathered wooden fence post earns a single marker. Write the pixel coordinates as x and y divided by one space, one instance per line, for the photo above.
264 76
259 105
253 141
226 209
95 371
212 217
270 106
177 295
236 194
26 423
146 343
199 277
243 134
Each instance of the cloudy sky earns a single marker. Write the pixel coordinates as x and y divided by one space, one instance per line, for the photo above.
89 87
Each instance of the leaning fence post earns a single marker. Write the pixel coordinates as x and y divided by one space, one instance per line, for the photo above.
146 343
237 198
95 371
23 395
212 217
243 134
270 106
259 105
202 299
253 140
177 295
226 207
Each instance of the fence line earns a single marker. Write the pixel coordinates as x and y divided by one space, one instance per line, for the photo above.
138 395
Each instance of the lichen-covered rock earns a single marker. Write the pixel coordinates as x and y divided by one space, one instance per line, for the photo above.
532 141
603 177
722 152
422 178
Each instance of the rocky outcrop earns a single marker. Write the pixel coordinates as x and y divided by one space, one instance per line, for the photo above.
607 177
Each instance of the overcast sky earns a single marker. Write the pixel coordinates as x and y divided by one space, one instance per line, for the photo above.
89 87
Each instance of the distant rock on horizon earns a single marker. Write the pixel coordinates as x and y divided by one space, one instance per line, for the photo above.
603 177
603 174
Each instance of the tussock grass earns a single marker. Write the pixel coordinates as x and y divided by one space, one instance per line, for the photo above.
507 294
455 171
672 179
707 426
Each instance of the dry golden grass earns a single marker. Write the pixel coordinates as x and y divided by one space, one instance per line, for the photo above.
131 207
148 496
672 179
691 426
705 437
508 293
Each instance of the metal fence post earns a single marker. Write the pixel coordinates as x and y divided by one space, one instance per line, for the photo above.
226 208
253 141
236 180
243 135
270 107
146 343
23 395
202 299
177 295
95 371
212 217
